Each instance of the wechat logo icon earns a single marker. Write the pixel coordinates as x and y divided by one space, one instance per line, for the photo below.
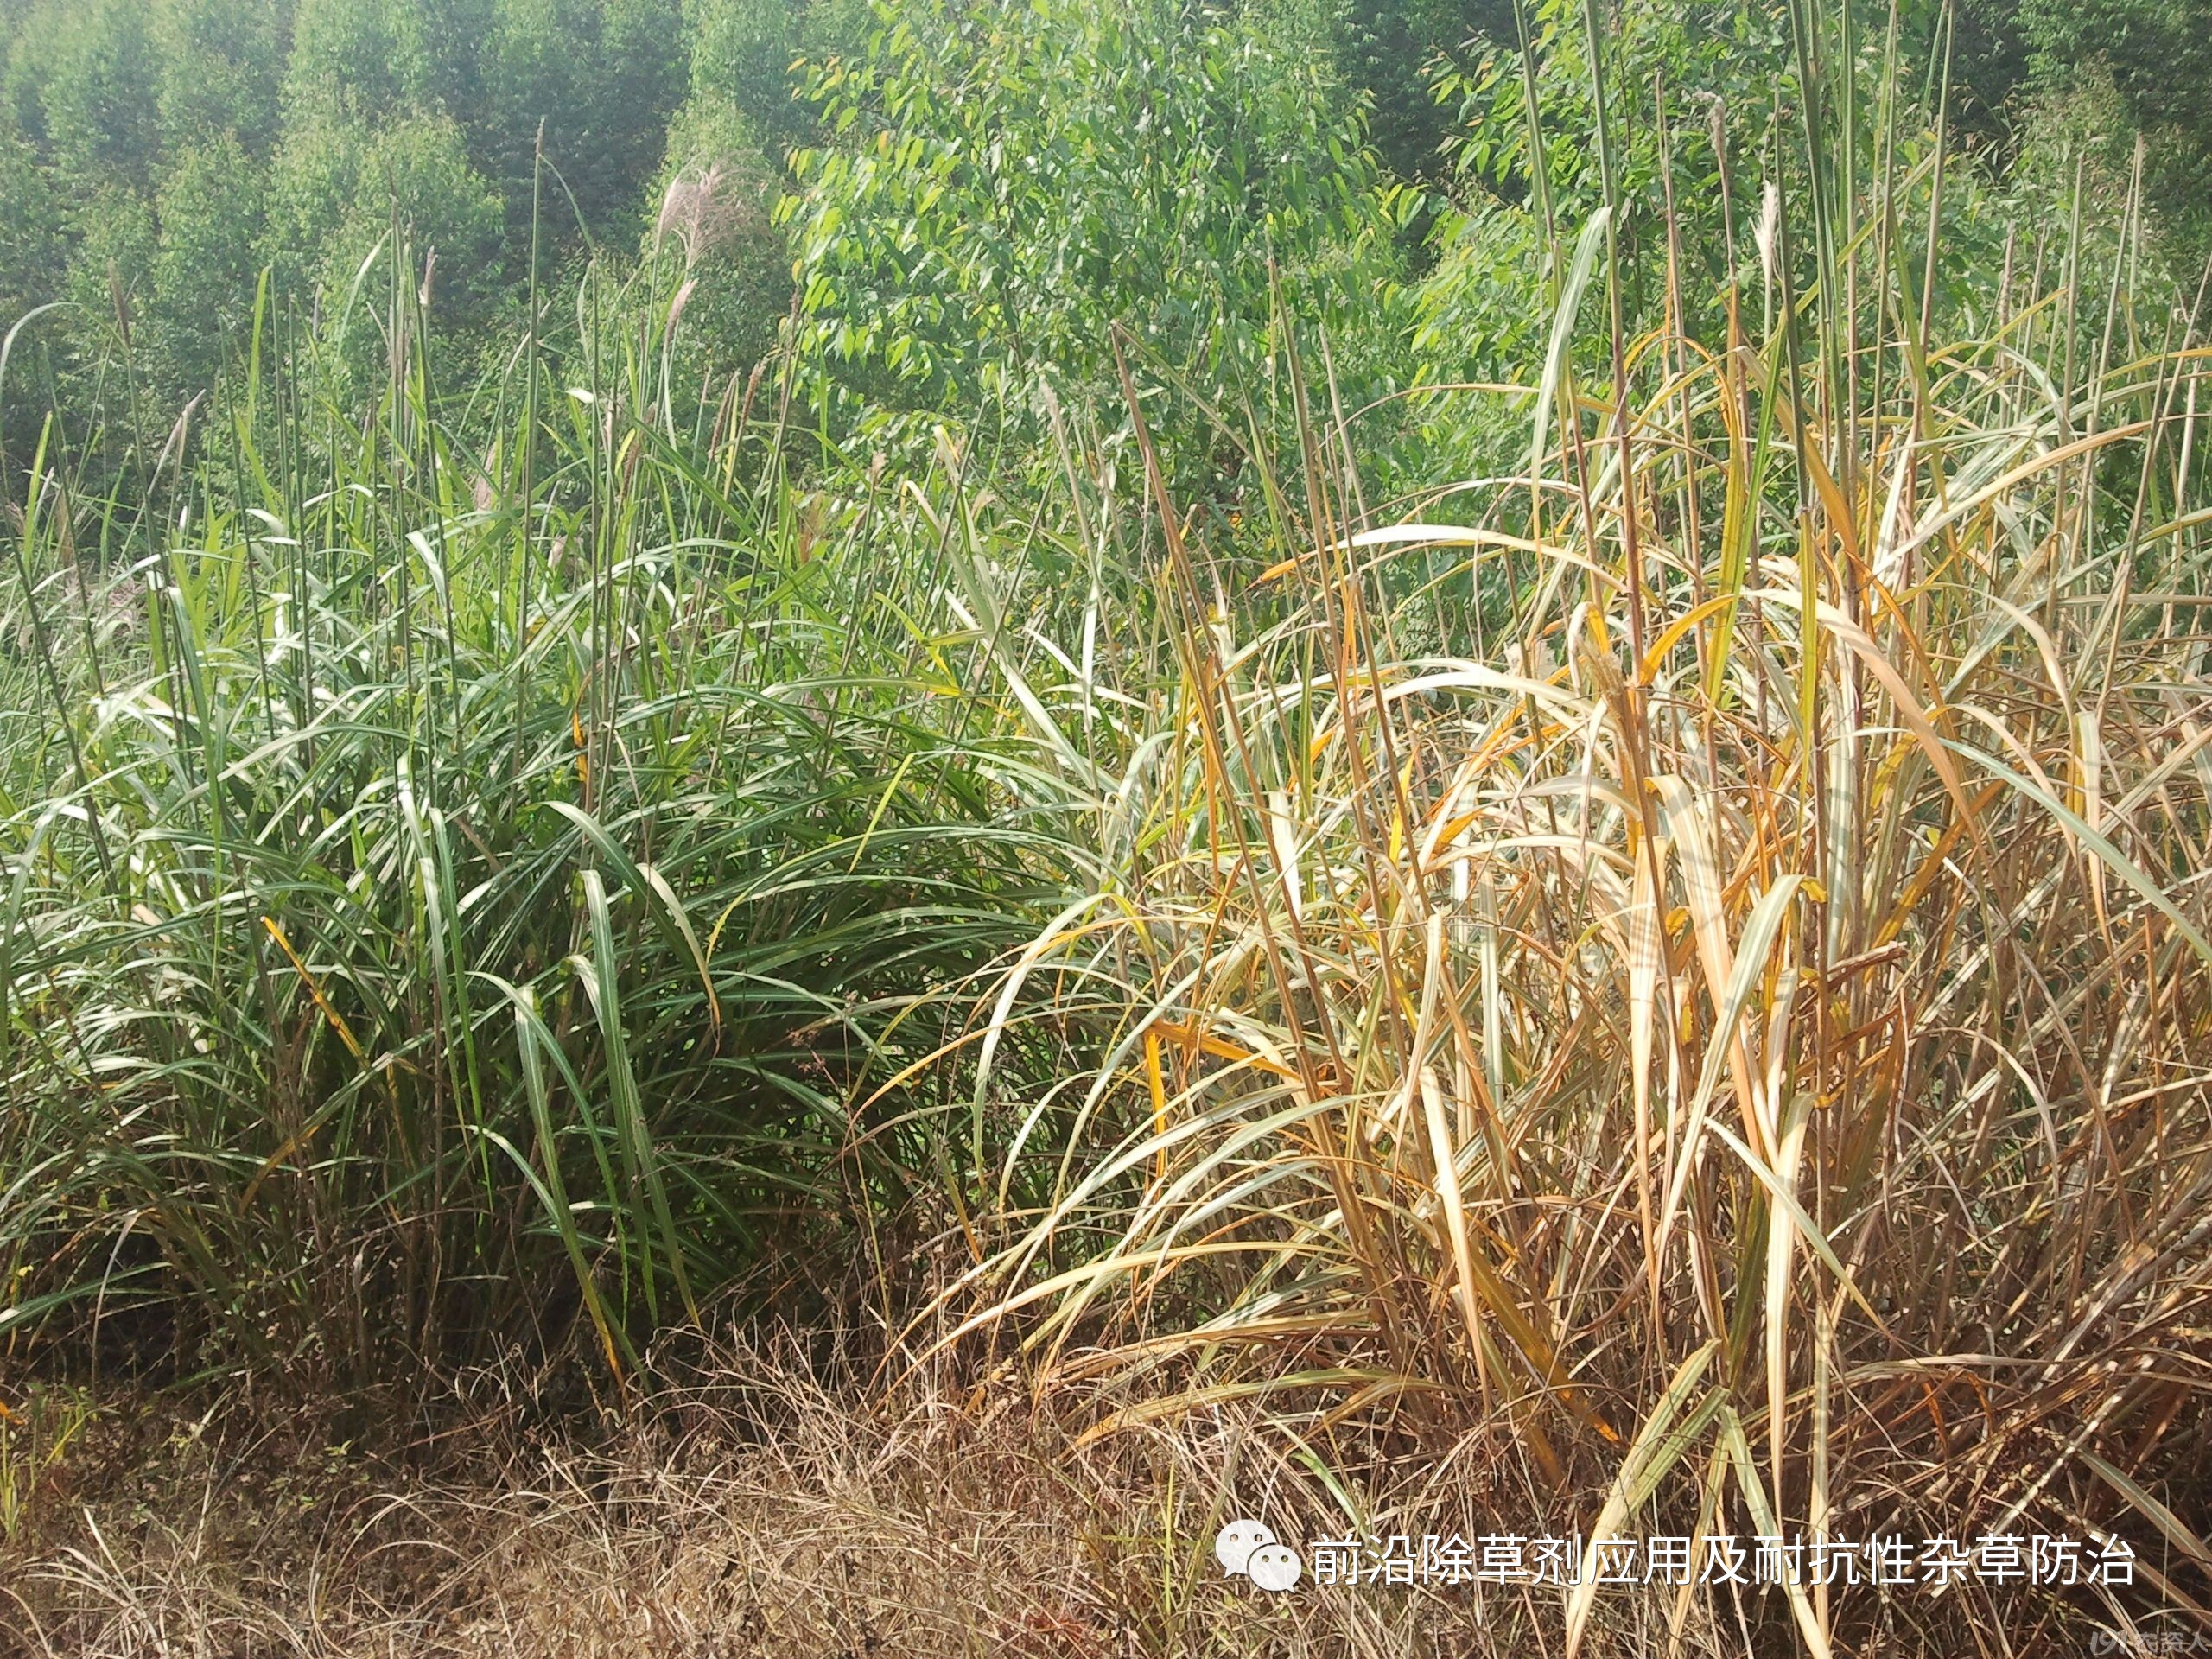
1249 1549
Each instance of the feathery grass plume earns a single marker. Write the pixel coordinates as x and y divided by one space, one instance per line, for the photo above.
700 209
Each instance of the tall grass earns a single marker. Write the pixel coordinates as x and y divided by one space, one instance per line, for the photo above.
457 879
1726 1039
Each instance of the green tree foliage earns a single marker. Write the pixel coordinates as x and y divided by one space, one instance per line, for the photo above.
1526 175
1989 63
86 69
603 76
712 239
2156 56
378 57
108 281
1390 51
1006 187
340 199
312 182
204 261
30 253
985 192
143 121
220 66
30 227
742 52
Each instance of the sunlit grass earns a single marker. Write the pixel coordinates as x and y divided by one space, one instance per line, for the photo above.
1731 1040
1677 967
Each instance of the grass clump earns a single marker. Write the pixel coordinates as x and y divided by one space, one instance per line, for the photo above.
456 886
1724 1042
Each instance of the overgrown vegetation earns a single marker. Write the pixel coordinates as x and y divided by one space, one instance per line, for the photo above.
1522 803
